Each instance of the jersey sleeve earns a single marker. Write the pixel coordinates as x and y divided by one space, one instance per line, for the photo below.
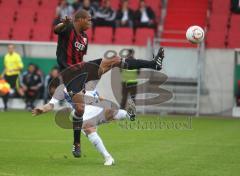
53 101
59 93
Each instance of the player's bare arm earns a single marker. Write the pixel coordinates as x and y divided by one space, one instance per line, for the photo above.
59 27
42 109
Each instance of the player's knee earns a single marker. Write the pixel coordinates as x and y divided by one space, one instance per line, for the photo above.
89 130
78 104
79 109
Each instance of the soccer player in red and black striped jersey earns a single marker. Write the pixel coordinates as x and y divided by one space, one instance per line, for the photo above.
72 46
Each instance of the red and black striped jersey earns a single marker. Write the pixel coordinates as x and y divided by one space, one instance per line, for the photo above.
71 47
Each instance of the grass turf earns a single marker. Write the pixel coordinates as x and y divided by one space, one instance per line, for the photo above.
36 146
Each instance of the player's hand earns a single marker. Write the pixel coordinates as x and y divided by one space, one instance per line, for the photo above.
66 20
37 111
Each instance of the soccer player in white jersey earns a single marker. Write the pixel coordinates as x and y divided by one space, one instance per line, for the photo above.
94 115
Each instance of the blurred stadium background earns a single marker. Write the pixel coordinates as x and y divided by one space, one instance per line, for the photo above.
204 80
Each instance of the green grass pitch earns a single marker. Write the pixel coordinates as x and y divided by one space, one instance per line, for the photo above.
32 146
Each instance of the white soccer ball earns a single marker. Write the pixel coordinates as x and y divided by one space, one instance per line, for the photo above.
195 34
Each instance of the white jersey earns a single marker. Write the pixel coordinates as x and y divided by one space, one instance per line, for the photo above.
93 114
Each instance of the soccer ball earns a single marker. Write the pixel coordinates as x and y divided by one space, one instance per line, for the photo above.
195 34
4 87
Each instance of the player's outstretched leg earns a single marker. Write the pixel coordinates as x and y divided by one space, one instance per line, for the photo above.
131 63
156 64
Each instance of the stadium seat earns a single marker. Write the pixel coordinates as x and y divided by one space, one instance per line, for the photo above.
220 7
41 33
217 25
123 36
215 39
46 4
115 4
103 35
133 4
7 17
30 4
13 4
45 17
22 33
25 16
234 36
188 13
142 36
89 33
4 32
182 15
155 5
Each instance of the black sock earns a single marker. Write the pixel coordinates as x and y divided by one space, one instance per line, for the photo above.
5 101
77 126
132 63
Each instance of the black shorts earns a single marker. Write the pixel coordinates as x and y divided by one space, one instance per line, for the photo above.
11 80
76 76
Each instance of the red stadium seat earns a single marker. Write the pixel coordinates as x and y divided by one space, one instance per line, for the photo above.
123 36
235 21
115 4
220 7
133 4
22 33
41 33
30 4
4 32
103 35
234 36
142 36
45 17
218 21
25 17
46 4
155 5
216 39
182 15
6 16
13 4
90 35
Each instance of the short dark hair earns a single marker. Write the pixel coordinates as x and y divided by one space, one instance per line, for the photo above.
81 14
55 68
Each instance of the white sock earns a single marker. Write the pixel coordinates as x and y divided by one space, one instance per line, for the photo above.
121 114
95 139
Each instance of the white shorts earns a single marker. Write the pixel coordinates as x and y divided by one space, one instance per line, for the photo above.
93 116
